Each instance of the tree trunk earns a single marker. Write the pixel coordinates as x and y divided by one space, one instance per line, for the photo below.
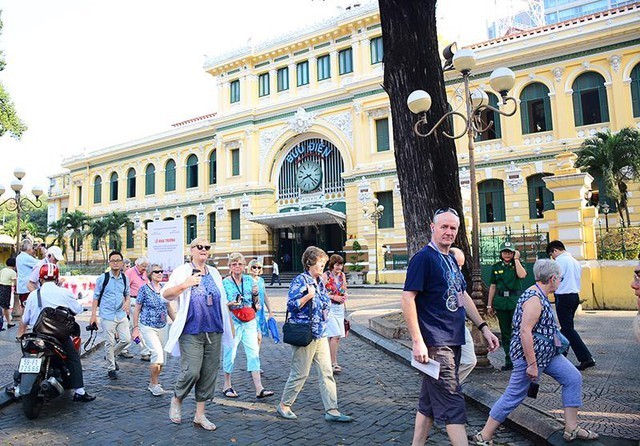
427 168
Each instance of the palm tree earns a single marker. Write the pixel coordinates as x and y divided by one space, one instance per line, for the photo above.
98 231
115 222
614 157
58 229
76 222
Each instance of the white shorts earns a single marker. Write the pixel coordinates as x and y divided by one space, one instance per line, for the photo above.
155 339
335 323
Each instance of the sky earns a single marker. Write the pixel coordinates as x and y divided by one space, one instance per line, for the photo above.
90 74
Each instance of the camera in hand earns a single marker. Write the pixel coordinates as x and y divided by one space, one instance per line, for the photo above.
533 390
92 327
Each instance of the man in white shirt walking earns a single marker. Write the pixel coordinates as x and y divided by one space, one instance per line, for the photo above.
568 299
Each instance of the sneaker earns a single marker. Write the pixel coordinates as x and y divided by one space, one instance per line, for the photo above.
145 358
84 398
155 389
126 355
111 374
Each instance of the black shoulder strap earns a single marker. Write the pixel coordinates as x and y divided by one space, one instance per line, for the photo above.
124 281
39 299
104 285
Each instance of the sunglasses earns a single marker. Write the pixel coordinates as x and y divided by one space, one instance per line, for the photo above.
443 210
256 267
201 247
636 276
157 271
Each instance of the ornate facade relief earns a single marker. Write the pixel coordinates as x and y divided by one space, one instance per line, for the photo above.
343 122
514 176
365 195
302 121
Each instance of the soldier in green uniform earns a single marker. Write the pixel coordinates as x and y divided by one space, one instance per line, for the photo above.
504 293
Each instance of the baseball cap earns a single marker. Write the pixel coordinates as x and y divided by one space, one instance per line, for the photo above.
507 246
56 252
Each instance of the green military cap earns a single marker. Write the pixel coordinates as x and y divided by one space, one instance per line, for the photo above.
507 246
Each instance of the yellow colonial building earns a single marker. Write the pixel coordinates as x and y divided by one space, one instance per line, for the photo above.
300 143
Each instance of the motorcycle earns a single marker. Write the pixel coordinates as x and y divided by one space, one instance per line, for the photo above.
42 374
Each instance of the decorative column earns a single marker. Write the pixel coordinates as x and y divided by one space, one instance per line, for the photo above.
572 221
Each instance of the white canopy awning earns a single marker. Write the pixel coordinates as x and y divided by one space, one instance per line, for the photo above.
7 241
318 216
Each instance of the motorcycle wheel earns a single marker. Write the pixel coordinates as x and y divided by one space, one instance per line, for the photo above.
31 402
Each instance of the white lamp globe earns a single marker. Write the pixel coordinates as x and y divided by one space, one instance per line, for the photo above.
419 102
502 80
464 60
479 98
37 191
16 185
19 173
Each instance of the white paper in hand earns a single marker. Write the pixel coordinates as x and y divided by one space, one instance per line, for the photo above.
431 368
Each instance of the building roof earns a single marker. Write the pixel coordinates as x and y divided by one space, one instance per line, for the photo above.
193 120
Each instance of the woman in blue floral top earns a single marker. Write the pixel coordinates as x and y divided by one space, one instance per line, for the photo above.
305 290
533 351
150 321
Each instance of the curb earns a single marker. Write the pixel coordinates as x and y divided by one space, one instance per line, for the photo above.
534 425
6 399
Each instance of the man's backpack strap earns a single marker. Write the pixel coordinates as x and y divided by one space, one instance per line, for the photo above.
104 286
107 276
39 298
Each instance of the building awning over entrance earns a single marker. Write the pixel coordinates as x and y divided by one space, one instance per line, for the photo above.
319 216
6 241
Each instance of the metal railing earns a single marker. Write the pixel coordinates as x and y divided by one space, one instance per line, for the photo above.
621 243
530 242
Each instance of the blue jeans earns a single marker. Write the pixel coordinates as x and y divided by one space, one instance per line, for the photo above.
560 369
247 333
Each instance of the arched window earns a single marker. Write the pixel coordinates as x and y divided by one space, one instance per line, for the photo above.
170 176
150 180
590 99
97 189
486 116
635 90
191 227
192 171
491 199
213 167
130 241
113 183
535 108
131 183
540 198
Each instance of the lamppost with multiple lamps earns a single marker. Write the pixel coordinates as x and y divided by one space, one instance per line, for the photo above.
475 102
374 215
604 207
19 202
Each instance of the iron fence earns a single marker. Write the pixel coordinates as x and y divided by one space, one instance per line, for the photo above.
530 243
620 243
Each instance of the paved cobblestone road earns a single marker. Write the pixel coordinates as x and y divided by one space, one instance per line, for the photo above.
378 391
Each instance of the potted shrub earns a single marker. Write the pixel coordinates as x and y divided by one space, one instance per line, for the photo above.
356 273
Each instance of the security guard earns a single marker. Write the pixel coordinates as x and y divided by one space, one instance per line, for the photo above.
504 293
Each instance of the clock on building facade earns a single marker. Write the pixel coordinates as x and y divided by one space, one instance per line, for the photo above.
309 175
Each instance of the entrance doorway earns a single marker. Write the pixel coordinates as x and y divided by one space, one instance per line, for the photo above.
291 243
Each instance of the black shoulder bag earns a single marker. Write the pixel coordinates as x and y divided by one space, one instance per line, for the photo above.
298 334
58 322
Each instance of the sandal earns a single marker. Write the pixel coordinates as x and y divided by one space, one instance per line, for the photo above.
264 393
579 433
479 441
204 423
230 393
337 369
175 411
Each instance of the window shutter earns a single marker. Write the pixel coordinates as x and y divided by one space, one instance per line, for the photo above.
577 108
235 224
604 107
382 134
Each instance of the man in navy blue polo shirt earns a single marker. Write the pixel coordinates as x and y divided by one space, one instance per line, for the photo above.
435 304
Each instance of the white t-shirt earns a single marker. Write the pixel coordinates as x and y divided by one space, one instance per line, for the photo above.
276 269
52 296
571 273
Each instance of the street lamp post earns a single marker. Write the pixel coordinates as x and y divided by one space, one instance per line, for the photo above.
374 215
604 207
18 202
419 102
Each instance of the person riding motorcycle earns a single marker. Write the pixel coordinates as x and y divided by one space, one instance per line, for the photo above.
54 296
